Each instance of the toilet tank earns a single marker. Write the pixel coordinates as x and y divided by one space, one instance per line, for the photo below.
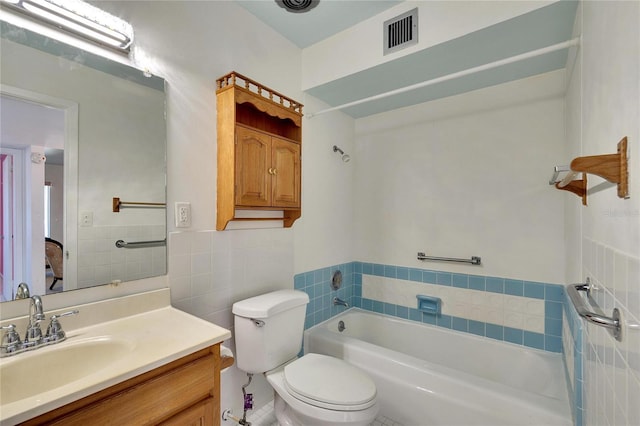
269 329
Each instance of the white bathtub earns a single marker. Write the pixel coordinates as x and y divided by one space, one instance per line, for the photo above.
428 375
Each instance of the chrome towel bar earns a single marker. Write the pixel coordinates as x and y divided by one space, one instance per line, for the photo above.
137 244
475 260
612 323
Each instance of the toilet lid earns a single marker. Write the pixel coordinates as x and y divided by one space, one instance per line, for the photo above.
328 382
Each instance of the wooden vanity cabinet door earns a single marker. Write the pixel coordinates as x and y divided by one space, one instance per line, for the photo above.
198 415
285 160
253 162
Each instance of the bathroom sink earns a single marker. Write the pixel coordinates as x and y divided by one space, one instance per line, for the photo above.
48 368
110 342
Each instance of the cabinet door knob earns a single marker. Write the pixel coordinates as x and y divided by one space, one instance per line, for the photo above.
270 170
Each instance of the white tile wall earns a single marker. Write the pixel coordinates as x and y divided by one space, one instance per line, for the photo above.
568 349
100 261
210 270
612 368
500 309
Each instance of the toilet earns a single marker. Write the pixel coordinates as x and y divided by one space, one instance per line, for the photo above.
313 390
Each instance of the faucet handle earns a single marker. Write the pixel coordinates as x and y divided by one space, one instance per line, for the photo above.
33 337
11 336
55 333
11 340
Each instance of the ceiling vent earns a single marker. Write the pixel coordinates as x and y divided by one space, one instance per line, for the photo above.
401 31
297 6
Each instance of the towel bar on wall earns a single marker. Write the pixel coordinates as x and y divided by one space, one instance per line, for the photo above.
475 260
118 204
613 323
138 244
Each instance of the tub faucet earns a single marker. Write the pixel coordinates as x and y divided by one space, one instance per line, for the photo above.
340 302
36 314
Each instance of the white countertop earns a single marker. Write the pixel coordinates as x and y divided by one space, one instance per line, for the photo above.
152 338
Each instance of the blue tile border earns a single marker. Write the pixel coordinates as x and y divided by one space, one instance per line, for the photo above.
317 285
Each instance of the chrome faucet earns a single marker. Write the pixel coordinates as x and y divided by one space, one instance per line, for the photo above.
36 314
340 302
33 339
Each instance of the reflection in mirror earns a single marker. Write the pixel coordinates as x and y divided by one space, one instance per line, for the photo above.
77 131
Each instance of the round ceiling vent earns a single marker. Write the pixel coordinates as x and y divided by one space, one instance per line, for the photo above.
297 6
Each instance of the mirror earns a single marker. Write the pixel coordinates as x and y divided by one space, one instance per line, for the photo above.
78 130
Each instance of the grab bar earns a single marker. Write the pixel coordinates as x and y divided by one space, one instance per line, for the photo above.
556 171
475 260
612 323
118 204
137 244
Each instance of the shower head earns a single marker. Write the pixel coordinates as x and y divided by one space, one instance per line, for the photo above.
345 157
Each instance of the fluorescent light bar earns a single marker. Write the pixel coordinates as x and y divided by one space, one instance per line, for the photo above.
79 18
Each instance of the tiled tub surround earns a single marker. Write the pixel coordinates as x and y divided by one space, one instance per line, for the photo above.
516 311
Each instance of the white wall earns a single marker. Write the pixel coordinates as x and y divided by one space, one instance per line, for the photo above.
210 270
34 201
54 174
603 239
473 183
324 235
360 47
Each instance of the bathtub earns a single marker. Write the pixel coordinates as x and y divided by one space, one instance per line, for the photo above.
427 375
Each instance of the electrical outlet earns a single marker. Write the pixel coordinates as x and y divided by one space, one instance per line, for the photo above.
183 215
86 219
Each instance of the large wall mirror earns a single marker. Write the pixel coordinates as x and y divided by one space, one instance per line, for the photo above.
77 131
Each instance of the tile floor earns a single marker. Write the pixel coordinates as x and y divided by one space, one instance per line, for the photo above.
266 417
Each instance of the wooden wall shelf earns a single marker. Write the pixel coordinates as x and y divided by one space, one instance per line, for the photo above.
611 167
259 152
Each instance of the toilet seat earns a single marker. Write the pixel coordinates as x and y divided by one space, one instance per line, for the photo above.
330 383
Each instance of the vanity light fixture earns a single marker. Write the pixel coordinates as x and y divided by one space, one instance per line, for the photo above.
79 18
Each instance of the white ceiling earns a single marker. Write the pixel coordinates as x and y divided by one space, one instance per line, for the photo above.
534 30
326 19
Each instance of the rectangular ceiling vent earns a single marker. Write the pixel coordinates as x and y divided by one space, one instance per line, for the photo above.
401 32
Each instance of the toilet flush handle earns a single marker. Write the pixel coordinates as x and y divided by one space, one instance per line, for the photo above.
257 322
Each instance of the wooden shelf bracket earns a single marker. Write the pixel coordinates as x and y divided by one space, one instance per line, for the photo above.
611 167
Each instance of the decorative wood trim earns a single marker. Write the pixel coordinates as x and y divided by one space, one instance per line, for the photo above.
254 88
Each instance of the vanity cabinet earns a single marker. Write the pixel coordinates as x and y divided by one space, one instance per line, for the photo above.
259 152
182 392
